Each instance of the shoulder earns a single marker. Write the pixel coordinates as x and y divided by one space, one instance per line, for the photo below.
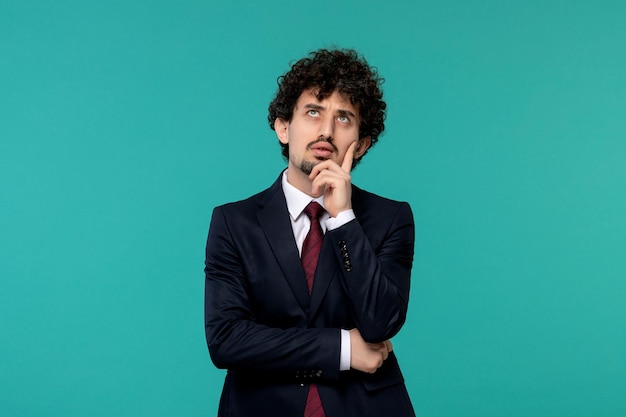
365 201
254 202
375 212
246 204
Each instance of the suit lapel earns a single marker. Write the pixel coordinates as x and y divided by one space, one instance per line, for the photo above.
274 220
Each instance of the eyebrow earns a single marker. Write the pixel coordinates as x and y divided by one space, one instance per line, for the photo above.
341 112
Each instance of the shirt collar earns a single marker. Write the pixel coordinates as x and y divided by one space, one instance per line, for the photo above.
296 199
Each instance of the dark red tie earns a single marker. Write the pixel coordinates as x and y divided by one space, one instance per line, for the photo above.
310 254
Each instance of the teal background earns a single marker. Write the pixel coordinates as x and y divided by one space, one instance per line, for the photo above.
123 123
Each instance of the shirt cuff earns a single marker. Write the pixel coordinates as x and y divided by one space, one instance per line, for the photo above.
344 360
342 218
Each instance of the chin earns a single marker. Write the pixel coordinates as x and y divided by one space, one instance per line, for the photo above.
307 166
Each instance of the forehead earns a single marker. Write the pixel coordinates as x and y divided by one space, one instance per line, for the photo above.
336 99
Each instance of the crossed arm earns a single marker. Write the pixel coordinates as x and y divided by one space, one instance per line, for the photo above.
239 339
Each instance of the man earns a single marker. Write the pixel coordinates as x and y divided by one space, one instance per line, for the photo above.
302 298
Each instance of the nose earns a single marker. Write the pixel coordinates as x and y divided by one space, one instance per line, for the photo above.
327 128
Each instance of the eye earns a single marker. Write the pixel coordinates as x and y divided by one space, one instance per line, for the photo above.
313 113
343 119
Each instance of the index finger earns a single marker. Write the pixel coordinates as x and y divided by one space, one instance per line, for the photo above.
346 165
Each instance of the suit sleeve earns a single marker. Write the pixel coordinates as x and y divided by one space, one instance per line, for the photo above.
376 273
235 339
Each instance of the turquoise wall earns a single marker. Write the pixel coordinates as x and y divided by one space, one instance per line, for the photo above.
123 123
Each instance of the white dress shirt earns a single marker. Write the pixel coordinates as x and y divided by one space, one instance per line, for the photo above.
300 223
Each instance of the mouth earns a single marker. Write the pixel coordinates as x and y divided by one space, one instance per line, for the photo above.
322 149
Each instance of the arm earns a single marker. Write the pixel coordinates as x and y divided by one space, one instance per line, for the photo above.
377 280
235 338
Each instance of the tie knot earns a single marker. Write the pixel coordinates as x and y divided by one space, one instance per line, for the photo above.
313 210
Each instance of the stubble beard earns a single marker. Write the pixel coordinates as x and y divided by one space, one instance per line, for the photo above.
307 166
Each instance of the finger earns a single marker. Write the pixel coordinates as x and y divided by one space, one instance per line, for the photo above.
389 345
385 353
346 165
324 167
322 182
380 348
327 165
377 346
327 178
318 168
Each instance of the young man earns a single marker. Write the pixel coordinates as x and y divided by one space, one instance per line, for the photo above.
307 281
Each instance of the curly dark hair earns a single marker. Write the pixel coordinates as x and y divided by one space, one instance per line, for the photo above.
341 70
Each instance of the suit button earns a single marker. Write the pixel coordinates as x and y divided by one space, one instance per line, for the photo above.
348 265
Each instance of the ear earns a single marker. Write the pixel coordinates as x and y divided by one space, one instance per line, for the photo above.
362 146
280 126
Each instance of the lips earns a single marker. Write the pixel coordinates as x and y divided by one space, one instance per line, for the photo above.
322 149
322 146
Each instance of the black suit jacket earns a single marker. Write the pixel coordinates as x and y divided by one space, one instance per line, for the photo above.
274 339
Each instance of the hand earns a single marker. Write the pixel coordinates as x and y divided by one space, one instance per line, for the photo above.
367 357
334 182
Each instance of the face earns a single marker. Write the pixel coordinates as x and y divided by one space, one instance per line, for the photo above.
320 130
